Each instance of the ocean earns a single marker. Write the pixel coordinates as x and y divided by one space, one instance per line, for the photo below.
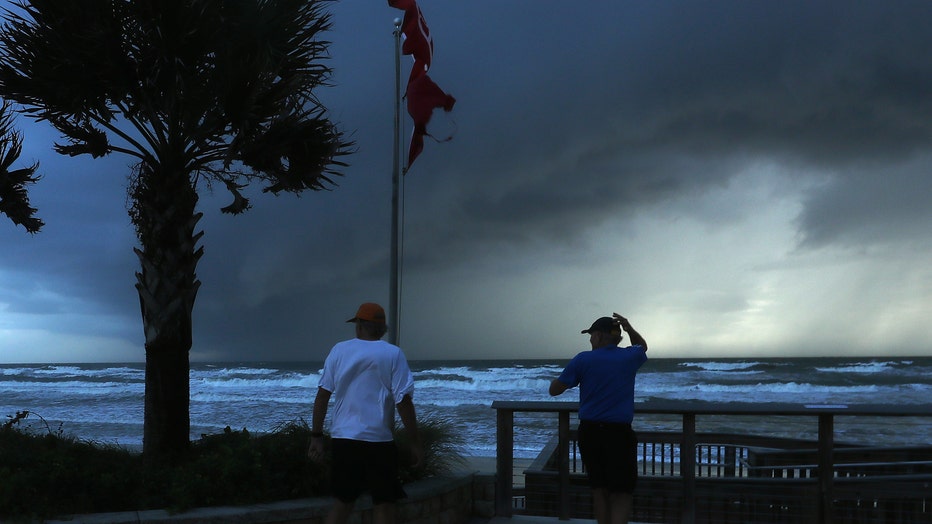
104 402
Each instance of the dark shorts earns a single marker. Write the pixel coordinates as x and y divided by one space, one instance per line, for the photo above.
360 466
610 455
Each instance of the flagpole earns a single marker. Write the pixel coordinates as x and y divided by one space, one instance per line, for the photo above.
394 313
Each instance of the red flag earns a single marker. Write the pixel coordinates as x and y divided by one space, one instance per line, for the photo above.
417 42
422 93
423 97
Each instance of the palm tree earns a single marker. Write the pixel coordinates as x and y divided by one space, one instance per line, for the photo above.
14 200
199 93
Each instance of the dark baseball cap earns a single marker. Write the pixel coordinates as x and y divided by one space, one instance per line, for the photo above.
604 325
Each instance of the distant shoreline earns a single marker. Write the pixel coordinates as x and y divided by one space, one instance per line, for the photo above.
430 362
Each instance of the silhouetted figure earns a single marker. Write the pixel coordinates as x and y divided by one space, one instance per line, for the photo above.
608 445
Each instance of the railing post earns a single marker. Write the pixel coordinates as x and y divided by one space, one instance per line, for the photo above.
688 467
504 461
826 467
563 461
731 461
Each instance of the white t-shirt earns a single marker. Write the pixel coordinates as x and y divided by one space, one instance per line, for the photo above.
367 378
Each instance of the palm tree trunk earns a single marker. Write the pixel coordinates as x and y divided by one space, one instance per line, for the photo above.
167 421
163 213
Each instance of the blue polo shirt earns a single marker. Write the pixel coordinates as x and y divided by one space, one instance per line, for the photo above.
605 377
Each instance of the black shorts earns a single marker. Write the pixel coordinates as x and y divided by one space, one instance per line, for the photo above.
360 466
610 455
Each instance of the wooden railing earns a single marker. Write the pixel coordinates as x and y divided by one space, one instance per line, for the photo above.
701 477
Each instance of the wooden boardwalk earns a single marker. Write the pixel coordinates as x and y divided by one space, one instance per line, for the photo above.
692 477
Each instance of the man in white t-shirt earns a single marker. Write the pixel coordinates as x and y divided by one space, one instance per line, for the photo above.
368 379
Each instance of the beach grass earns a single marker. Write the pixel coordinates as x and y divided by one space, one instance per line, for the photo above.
46 473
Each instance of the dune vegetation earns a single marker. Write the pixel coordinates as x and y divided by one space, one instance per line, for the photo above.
44 472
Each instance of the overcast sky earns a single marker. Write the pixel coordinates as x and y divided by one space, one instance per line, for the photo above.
740 179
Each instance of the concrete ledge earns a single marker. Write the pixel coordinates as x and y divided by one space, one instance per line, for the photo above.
448 499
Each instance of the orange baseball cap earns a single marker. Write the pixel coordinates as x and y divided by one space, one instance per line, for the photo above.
370 312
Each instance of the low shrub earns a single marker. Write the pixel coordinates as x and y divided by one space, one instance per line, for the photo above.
47 473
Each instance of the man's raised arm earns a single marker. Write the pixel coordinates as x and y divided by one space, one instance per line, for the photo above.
633 335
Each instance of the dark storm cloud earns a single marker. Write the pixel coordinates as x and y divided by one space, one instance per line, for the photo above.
645 102
876 205
569 116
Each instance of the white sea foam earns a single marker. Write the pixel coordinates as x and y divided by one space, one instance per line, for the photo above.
790 388
105 403
67 387
78 371
297 381
251 399
228 372
859 367
719 366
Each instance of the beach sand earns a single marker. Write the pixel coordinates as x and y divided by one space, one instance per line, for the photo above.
480 464
487 465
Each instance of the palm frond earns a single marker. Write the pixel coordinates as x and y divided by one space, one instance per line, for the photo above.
14 198
223 85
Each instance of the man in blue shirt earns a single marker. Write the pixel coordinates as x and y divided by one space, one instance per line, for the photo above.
608 445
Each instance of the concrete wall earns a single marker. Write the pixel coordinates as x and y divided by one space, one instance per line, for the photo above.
443 500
